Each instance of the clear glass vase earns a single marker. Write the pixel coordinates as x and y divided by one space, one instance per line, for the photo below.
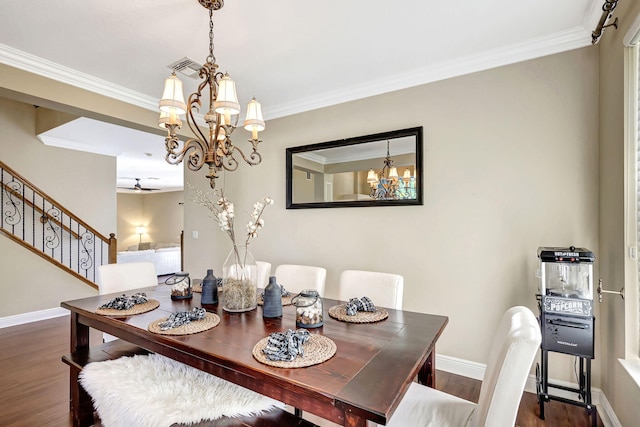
239 281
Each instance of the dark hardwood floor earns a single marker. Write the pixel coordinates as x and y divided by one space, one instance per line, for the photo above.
35 382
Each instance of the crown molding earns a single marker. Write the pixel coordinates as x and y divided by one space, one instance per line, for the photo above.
42 67
53 141
574 38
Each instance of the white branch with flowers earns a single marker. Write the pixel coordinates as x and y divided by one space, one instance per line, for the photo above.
240 270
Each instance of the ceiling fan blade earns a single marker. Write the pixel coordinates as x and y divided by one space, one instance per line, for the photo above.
139 188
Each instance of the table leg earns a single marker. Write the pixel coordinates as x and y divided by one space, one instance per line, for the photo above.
79 334
80 403
427 373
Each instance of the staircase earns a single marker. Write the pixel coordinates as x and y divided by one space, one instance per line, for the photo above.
36 221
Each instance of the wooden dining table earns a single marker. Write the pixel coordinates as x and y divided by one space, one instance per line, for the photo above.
367 377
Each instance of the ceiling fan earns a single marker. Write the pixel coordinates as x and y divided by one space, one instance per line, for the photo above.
139 188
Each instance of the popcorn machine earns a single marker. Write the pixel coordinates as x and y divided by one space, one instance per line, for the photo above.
567 323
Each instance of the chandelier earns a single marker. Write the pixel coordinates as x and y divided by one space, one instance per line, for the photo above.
211 145
387 185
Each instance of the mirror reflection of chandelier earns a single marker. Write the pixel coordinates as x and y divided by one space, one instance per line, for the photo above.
212 146
387 185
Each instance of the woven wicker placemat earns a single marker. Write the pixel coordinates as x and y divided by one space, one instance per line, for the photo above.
210 320
339 312
136 309
317 349
285 300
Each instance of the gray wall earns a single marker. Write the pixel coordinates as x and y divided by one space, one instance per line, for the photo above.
82 182
511 160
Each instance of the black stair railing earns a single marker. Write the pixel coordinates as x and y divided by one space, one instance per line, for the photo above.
35 220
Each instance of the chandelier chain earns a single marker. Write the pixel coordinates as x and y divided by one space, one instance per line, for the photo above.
211 58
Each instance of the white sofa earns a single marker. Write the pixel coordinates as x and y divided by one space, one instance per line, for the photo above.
164 256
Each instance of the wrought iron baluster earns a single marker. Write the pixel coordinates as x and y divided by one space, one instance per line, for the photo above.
14 216
44 232
61 247
87 242
78 248
33 227
23 212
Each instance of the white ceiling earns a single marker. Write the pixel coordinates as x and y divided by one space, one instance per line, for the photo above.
140 154
293 55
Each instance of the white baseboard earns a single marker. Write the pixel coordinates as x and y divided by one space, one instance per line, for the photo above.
460 367
476 370
33 316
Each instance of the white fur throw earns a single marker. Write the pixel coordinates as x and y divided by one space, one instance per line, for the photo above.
156 391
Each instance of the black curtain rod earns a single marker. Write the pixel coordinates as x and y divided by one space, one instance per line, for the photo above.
607 10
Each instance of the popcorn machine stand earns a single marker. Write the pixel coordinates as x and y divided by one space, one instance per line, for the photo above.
567 323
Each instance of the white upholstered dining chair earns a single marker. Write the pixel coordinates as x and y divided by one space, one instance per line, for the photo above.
123 277
264 271
384 289
513 350
296 278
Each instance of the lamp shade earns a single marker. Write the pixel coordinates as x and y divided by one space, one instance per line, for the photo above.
254 120
393 173
371 176
172 97
227 101
406 176
141 230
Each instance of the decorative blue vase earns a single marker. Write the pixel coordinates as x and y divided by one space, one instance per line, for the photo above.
209 289
272 306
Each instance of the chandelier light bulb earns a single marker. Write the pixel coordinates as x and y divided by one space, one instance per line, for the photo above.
170 118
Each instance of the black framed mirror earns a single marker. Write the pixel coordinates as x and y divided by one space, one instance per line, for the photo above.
383 169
